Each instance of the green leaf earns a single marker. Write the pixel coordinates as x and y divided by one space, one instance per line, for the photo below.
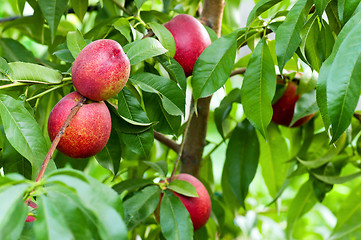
165 123
143 49
183 187
13 211
141 205
261 6
343 83
29 72
80 8
4 67
139 3
346 9
321 90
123 26
164 36
173 98
213 66
13 51
348 225
131 184
259 87
225 107
52 11
337 179
320 6
175 221
273 158
109 157
23 132
75 42
159 166
242 157
174 70
304 200
138 145
305 106
50 216
287 34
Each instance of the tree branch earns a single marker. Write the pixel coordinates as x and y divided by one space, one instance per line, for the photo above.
167 141
237 71
195 137
56 140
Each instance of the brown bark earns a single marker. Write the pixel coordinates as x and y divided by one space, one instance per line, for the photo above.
195 137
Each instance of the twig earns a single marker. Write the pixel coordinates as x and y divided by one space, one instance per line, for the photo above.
237 71
182 144
47 91
167 141
149 34
72 113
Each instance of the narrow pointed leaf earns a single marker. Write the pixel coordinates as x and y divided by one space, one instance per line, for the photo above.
173 98
213 66
164 36
183 187
23 132
75 42
159 166
80 7
52 11
4 67
259 87
261 6
143 49
287 34
29 72
141 205
242 157
305 106
175 221
174 70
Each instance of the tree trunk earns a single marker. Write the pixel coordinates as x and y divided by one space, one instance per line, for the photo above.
195 137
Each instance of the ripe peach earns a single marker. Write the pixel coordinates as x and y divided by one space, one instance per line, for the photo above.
190 37
87 133
101 70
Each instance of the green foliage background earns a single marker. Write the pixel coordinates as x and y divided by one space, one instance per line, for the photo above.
266 181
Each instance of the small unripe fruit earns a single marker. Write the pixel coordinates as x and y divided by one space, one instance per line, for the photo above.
284 108
200 207
88 131
190 37
101 70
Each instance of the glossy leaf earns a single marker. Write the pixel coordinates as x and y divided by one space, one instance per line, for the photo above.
52 11
174 70
143 49
29 72
4 67
183 187
242 157
165 123
259 87
75 42
287 34
23 132
343 83
123 26
175 221
159 166
225 107
173 98
48 217
141 205
348 224
80 8
131 184
13 51
302 203
274 157
109 157
213 66
164 36
261 6
13 210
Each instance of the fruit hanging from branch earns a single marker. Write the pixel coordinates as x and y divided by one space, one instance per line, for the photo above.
88 131
190 37
101 70
283 108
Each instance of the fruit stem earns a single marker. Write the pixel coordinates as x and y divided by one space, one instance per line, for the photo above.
54 144
182 144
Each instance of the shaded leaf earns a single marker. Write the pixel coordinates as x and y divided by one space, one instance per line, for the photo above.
305 106
123 26
131 184
159 166
261 6
174 70
13 51
80 7
4 67
75 42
